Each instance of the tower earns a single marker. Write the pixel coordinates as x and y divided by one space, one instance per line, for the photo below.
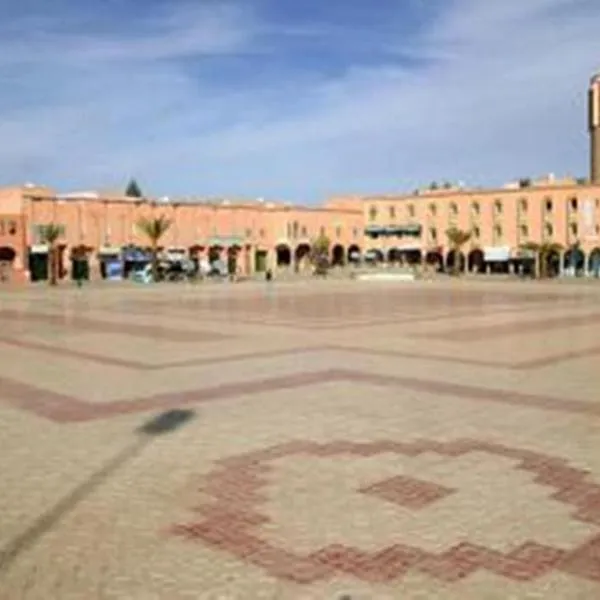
594 127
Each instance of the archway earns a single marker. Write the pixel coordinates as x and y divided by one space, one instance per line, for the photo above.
7 256
594 262
434 258
374 256
283 255
354 254
455 260
80 266
411 257
476 261
214 253
552 264
338 256
301 255
232 259
394 255
574 260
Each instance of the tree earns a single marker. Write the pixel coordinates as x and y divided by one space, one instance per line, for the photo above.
133 190
154 229
434 185
542 253
524 182
50 234
320 253
457 238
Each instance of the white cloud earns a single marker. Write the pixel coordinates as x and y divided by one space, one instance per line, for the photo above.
500 94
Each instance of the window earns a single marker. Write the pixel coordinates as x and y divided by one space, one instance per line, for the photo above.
523 206
338 231
295 228
248 233
548 204
12 227
498 232
2 227
573 203
392 212
433 234
321 230
548 229
355 232
573 228
304 231
476 233
432 210
476 208
372 213
289 230
411 210
498 207
261 233
453 209
524 231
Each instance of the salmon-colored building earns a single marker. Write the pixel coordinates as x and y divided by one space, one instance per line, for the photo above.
273 235
265 235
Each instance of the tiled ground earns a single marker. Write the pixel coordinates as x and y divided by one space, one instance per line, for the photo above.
426 440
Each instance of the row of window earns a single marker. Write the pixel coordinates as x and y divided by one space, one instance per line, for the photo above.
523 231
8 227
453 209
295 230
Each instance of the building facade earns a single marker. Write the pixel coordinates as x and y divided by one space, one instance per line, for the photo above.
413 228
264 235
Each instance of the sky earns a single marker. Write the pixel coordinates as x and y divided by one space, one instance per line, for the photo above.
293 100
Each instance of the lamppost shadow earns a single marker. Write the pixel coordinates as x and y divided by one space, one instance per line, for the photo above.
162 424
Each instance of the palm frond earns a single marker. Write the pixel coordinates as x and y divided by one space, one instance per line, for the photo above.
458 237
50 233
153 229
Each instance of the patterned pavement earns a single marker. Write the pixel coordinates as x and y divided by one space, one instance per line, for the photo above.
335 439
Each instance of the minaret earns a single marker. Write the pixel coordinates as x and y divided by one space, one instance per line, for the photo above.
594 127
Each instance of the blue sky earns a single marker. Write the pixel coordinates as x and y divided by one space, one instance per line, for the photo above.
293 100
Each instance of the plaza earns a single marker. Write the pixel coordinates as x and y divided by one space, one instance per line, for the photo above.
301 440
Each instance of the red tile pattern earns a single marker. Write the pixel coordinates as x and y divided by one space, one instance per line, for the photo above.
408 492
231 520
63 408
89 325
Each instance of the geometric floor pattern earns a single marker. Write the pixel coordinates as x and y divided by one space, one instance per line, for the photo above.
425 440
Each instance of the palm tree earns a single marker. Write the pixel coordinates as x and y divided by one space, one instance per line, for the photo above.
154 229
542 251
457 238
50 234
320 253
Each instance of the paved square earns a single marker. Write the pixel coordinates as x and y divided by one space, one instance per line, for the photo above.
426 440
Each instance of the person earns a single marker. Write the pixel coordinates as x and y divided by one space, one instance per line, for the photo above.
269 275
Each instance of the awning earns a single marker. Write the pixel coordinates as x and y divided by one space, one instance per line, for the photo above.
406 229
109 251
375 230
225 240
496 254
